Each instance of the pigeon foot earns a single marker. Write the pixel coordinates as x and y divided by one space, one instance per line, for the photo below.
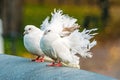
52 64
38 59
59 64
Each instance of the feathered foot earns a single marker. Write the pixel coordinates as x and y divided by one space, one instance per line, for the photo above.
39 59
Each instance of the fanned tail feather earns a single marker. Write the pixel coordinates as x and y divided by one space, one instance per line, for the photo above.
69 21
92 44
45 23
80 42
87 33
60 23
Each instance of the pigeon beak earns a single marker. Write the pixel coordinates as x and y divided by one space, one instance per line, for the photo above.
25 32
45 33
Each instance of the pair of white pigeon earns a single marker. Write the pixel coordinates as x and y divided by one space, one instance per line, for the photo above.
59 38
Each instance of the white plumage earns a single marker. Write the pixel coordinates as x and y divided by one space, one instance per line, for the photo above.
80 42
56 48
60 23
32 36
62 40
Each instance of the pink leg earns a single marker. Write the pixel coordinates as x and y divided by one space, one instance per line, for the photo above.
38 59
59 64
52 64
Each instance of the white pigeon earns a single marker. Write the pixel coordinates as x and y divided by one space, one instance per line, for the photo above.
65 49
72 42
32 36
56 48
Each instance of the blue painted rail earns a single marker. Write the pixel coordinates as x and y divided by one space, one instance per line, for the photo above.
17 68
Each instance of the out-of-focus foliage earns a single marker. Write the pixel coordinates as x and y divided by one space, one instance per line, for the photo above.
35 14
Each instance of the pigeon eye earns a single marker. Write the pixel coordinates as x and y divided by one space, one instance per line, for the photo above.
29 28
49 30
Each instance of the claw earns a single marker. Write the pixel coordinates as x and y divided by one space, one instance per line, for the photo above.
38 59
52 64
59 64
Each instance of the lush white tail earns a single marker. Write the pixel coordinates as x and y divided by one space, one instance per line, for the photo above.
60 23
80 42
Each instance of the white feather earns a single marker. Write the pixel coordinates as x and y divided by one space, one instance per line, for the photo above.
45 23
53 46
65 48
80 42
32 39
59 22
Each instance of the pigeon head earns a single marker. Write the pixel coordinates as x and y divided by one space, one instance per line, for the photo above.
47 31
51 34
29 29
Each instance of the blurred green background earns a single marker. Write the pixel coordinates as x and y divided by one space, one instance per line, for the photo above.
101 14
